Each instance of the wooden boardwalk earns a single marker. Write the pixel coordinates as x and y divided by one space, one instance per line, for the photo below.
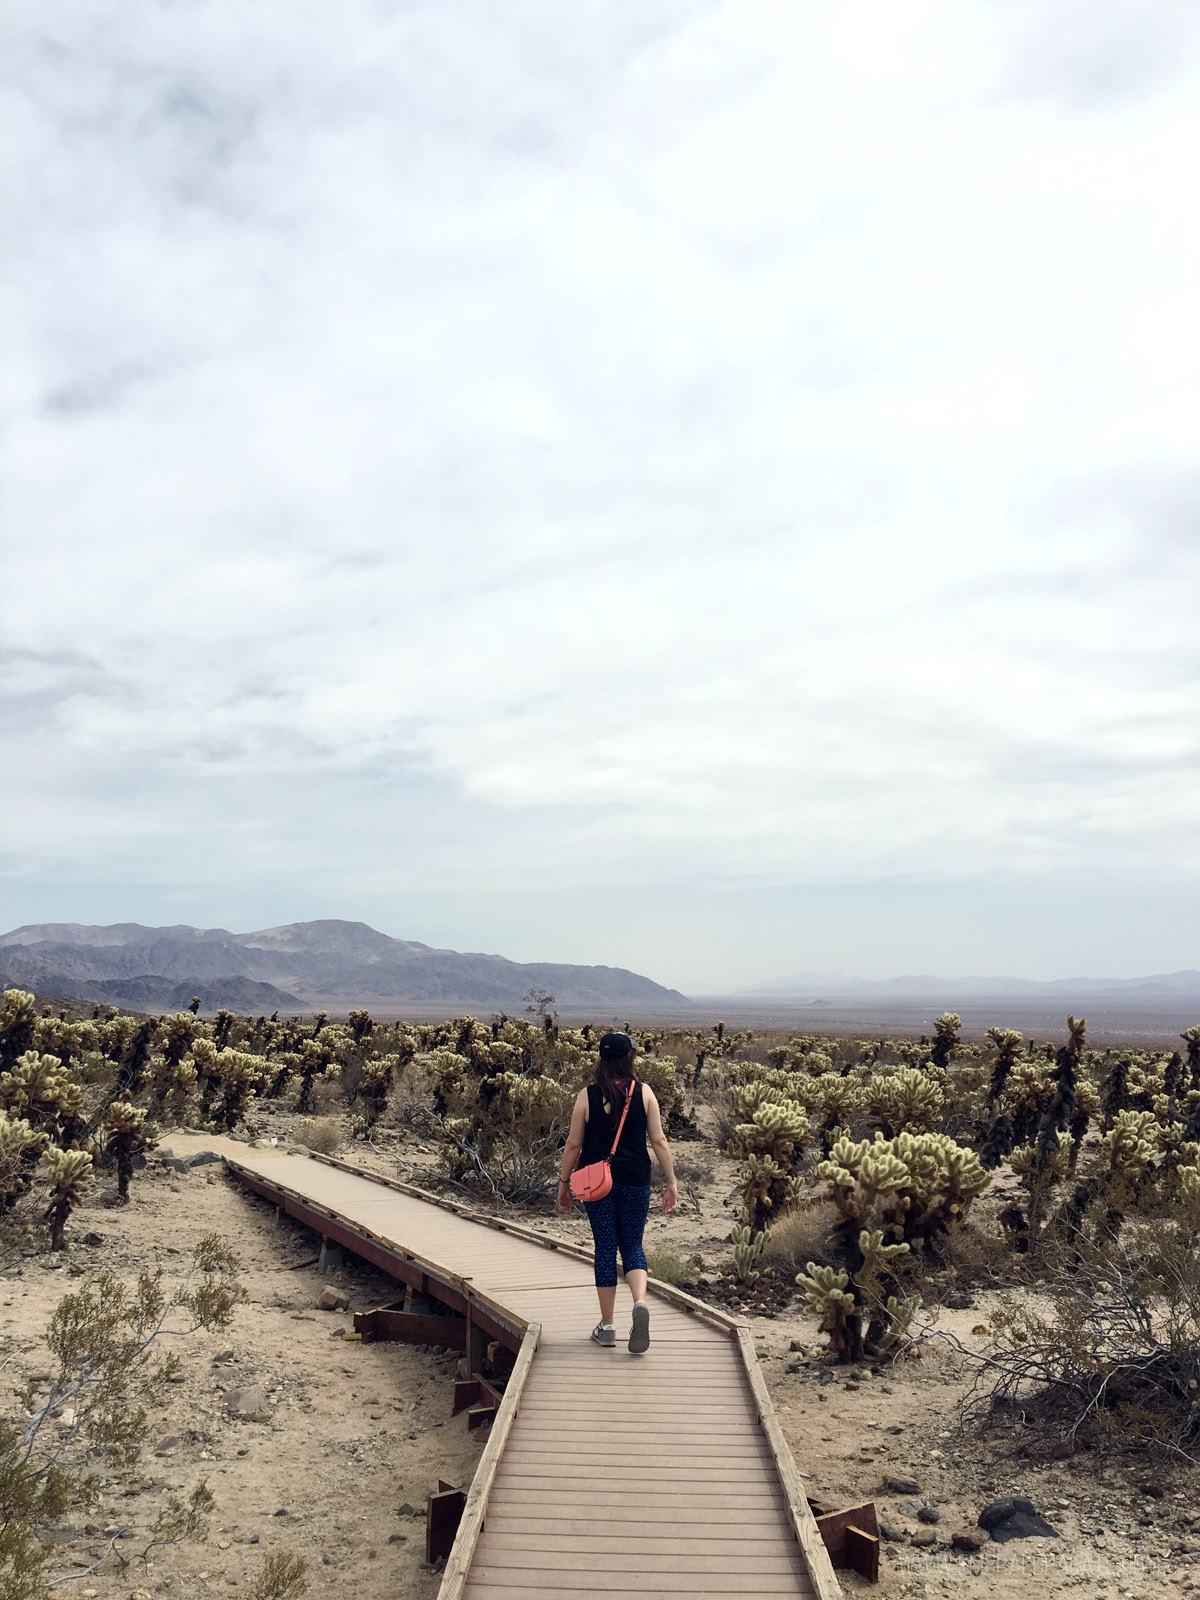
605 1474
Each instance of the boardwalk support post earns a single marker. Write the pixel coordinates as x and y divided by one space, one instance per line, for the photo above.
852 1539
443 1513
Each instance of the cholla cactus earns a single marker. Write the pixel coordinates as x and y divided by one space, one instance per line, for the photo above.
775 1128
765 1188
1192 1039
944 1179
906 1100
316 1061
240 1075
833 1102
862 1176
748 1245
827 1295
41 1089
125 1126
69 1173
20 1146
945 1041
18 1017
174 1082
374 1087
1007 1042
448 1073
1031 1167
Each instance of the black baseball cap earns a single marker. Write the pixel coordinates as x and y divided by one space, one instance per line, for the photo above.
618 1044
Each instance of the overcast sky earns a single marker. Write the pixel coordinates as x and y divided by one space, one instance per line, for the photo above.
704 487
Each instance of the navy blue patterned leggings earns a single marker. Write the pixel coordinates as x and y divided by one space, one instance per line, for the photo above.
618 1220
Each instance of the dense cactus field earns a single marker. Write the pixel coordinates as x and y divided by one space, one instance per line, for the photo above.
868 1178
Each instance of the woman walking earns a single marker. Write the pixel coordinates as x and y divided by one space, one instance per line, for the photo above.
619 1218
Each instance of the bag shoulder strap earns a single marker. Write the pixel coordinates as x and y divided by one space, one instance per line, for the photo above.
624 1114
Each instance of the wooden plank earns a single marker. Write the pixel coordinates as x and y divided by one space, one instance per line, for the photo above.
730 1535
731 1415
553 1454
691 1433
443 1512
459 1561
825 1584
684 1555
535 1581
862 1553
521 1466
679 1488
852 1539
742 1510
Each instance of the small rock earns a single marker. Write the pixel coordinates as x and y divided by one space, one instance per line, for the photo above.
1014 1517
254 1538
957 1300
406 1510
332 1299
59 1533
910 1508
141 1594
904 1486
248 1405
201 1158
397 1538
928 1514
892 1534
164 1447
93 1239
923 1538
282 1512
967 1540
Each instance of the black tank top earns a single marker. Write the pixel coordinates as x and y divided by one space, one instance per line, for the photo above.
631 1164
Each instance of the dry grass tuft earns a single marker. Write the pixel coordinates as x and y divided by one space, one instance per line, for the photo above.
801 1235
667 1265
322 1134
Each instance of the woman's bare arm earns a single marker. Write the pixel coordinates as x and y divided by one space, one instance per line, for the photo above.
571 1150
662 1149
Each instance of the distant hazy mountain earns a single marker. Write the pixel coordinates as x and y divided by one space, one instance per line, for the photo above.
826 986
303 964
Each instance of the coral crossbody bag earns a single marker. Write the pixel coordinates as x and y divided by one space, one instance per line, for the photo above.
593 1182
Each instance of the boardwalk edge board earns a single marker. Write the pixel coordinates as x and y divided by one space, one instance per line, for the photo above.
457 1573
458 1564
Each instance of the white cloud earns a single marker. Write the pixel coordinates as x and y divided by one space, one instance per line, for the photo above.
704 443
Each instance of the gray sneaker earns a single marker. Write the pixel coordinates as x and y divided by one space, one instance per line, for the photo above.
605 1336
639 1334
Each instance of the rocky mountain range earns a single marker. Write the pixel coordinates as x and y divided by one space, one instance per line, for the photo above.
326 965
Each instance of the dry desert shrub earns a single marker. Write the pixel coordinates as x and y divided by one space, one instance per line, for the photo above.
327 1095
693 1174
667 1265
412 1103
1108 1352
802 1234
321 1134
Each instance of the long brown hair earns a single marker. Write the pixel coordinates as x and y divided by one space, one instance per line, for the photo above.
611 1073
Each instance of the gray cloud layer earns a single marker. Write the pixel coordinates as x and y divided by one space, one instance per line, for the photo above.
458 448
